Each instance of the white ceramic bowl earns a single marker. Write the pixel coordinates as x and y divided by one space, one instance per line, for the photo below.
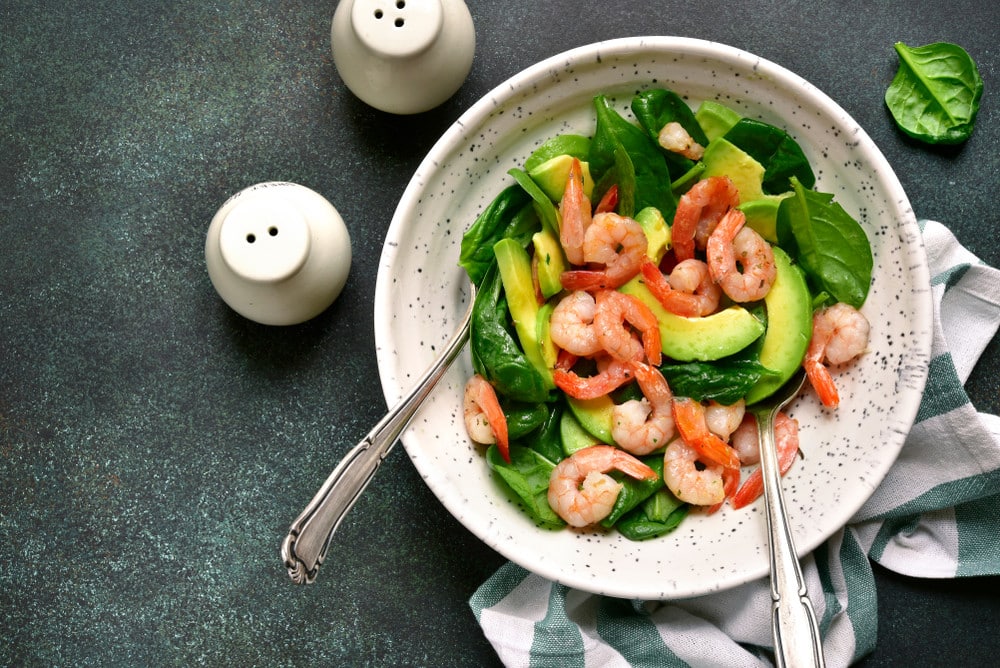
421 295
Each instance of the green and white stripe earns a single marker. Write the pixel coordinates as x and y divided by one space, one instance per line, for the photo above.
936 514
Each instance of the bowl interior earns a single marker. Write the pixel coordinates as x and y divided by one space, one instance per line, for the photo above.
421 295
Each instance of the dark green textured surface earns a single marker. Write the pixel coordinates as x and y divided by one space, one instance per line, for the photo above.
154 446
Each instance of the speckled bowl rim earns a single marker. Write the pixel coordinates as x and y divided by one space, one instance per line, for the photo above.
425 322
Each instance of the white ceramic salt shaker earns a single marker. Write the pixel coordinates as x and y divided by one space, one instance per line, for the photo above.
278 253
403 56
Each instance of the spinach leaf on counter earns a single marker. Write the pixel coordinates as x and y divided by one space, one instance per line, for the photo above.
495 353
829 245
935 94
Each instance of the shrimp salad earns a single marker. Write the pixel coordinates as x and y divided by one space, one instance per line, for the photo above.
637 289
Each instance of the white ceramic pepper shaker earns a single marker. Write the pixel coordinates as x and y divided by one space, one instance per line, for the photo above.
403 56
278 253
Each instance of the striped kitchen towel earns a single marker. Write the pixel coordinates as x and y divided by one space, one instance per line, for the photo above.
936 514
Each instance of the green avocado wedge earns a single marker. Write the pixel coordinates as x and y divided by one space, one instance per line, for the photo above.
708 338
594 416
789 327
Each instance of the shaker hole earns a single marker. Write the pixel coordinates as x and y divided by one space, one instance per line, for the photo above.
400 4
251 238
273 231
378 13
399 23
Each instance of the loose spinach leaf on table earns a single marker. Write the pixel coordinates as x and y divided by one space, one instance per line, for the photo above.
829 245
935 94
495 353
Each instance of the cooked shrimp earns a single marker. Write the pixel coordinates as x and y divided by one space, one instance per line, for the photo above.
574 213
676 139
484 419
614 309
741 261
745 441
786 439
689 290
840 333
618 243
689 417
722 420
581 492
572 324
641 426
611 374
687 480
699 211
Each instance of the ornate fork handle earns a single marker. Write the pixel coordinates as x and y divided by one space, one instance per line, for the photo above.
310 535
797 640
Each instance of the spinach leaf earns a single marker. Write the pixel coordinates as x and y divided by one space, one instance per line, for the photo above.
541 203
524 418
724 381
935 94
654 109
621 174
634 492
615 135
775 149
495 353
547 439
829 245
576 145
660 514
527 475
499 220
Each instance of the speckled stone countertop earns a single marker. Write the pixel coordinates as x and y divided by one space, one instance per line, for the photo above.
154 445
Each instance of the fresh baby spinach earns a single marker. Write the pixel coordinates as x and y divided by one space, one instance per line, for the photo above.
614 134
504 217
775 149
496 355
527 475
829 245
935 94
654 109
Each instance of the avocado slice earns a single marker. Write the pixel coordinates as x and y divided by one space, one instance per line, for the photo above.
572 434
723 158
551 261
654 225
708 338
515 274
762 215
715 119
551 176
789 327
594 416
